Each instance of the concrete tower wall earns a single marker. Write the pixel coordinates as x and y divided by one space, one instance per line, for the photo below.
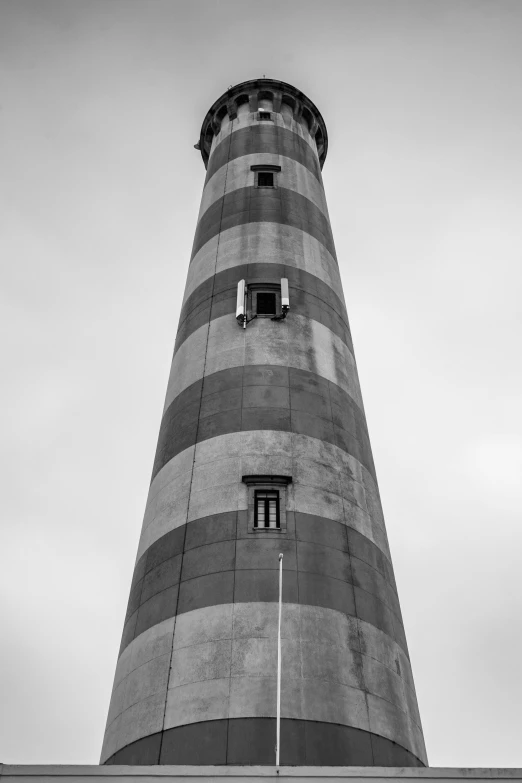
195 681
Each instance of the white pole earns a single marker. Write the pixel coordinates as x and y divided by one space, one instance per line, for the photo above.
278 719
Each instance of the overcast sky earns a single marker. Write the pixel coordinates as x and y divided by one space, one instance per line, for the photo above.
101 102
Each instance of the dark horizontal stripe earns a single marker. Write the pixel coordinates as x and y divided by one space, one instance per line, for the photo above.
258 273
263 397
254 205
263 138
250 741
309 296
216 560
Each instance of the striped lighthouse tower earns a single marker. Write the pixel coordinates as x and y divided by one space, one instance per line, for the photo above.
263 449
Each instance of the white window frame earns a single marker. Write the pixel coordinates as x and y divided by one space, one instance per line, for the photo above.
267 483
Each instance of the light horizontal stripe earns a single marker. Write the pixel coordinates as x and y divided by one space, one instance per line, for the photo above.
238 174
141 719
301 698
236 642
246 135
235 627
297 342
356 504
152 643
267 243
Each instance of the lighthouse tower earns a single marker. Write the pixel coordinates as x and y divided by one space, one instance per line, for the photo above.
263 449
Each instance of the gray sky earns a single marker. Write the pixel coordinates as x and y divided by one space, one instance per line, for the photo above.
101 102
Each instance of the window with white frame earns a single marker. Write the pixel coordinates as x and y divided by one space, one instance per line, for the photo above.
267 502
266 508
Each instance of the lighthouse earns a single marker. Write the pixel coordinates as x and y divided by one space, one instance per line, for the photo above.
263 450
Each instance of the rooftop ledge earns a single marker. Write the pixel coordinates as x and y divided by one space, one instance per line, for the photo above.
65 773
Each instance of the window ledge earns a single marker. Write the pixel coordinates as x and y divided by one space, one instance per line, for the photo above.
280 480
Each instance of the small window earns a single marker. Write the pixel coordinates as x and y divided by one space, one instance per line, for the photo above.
265 176
267 498
266 303
266 509
265 179
263 301
265 115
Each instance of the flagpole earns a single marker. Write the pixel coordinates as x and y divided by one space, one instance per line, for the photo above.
278 719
